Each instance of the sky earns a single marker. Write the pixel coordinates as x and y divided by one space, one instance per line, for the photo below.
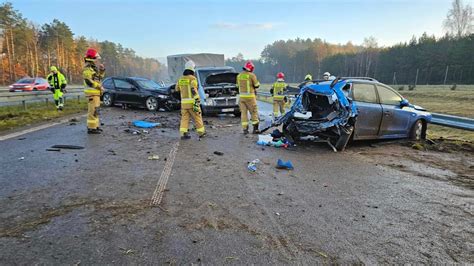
160 28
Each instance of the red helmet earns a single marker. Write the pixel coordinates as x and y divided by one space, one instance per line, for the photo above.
92 54
249 66
280 75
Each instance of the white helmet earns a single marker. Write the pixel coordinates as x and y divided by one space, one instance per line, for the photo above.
190 65
326 75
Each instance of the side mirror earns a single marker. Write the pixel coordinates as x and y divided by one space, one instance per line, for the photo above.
404 103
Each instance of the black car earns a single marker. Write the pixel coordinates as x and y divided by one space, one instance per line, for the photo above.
140 92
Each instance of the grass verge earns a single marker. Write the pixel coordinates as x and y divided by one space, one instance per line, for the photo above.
12 117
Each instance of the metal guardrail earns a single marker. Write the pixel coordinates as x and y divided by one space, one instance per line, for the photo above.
453 121
23 98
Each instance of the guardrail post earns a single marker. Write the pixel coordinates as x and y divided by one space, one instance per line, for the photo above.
23 103
78 98
46 101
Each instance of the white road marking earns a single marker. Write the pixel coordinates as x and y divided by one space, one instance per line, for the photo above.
26 131
165 174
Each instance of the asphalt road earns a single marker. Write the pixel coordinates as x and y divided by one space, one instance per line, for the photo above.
93 206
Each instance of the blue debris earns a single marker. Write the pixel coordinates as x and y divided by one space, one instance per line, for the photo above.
145 124
284 165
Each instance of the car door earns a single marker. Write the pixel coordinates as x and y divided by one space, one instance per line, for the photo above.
126 91
370 111
395 119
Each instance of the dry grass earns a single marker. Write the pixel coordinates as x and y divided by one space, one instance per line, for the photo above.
14 116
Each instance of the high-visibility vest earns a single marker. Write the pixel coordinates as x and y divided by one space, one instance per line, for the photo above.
278 89
247 82
56 81
187 85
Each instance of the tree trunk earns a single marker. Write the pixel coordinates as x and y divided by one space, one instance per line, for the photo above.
13 53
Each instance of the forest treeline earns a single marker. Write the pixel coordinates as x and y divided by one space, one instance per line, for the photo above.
27 49
434 59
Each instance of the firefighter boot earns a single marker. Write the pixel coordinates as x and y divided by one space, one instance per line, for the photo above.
255 129
185 136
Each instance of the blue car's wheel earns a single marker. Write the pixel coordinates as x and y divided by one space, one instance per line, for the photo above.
418 131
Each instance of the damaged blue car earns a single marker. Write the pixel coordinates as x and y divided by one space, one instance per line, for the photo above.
352 108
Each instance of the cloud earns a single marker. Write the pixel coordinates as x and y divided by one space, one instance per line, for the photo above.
238 26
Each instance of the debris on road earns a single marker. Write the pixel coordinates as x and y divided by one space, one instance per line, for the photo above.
132 131
153 157
145 124
276 139
68 147
21 158
218 153
284 165
277 213
53 149
22 138
252 166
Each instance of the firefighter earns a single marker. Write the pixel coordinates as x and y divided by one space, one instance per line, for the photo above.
92 89
277 90
57 83
326 75
190 102
248 83
307 80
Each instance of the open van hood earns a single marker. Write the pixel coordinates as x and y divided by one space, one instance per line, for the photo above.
226 77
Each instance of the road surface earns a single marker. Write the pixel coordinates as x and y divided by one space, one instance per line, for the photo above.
109 204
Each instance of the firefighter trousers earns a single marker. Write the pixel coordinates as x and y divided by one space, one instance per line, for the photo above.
278 105
93 111
186 115
58 98
248 105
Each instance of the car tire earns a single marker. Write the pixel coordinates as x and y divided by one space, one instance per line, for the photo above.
151 104
418 131
341 142
237 113
290 132
35 89
107 100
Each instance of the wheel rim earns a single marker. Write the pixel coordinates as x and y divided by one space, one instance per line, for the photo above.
418 130
151 103
107 99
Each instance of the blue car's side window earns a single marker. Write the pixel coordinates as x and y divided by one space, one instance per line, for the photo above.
364 93
389 97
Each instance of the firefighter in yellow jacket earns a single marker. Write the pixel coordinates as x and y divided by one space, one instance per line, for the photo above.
93 89
247 83
277 90
57 83
190 102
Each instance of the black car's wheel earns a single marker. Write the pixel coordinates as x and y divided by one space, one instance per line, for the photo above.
151 104
418 131
107 99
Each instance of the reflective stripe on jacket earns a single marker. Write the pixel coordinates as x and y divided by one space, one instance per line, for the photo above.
247 82
278 90
91 84
187 87
56 80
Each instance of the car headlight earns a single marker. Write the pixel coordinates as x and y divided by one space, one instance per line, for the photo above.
27 86
210 101
11 86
